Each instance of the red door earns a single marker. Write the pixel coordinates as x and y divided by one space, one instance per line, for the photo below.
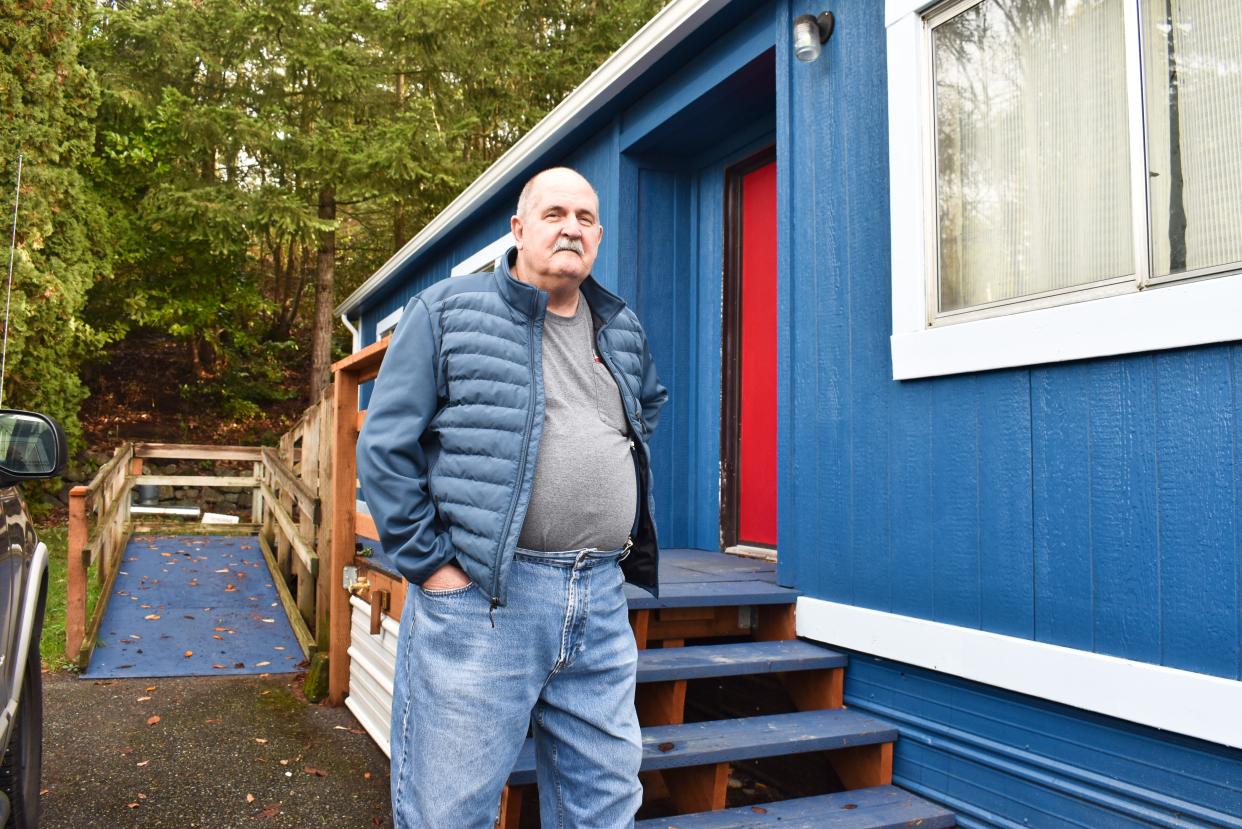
756 486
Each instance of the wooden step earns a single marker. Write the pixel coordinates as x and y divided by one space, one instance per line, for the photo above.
879 807
710 594
747 738
737 659
813 676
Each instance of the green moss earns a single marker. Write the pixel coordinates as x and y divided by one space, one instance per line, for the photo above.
280 698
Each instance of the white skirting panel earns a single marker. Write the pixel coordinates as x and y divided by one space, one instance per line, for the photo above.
372 665
1184 702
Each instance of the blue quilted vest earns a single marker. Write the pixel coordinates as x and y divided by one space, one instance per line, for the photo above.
447 453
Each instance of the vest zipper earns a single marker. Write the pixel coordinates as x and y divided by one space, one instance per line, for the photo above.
517 495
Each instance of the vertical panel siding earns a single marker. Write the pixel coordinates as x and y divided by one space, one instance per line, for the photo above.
1123 508
866 245
1195 474
1061 433
1006 571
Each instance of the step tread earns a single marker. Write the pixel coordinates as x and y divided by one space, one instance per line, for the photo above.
699 661
711 594
715 741
879 807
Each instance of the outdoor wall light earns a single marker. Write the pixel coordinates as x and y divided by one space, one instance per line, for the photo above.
810 34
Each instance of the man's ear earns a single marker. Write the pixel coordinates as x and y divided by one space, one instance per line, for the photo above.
515 226
599 236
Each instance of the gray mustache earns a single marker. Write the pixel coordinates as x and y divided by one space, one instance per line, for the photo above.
564 243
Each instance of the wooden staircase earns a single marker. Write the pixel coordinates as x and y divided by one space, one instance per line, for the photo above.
706 596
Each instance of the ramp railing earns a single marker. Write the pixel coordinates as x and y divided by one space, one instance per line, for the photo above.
284 514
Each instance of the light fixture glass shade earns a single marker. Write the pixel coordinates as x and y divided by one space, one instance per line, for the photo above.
806 43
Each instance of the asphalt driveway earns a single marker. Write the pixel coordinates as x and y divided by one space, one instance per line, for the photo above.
215 751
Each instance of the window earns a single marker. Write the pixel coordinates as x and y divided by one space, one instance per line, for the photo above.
483 260
388 324
1054 163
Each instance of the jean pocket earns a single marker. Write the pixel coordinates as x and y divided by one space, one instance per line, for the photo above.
440 593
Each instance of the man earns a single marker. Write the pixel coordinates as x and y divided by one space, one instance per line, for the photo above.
504 459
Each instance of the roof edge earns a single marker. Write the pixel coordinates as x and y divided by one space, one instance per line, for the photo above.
670 26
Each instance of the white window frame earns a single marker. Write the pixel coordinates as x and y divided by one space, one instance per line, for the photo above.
388 324
1098 322
489 253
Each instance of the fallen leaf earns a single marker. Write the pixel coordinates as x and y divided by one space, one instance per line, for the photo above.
127 750
260 741
143 763
314 771
284 762
218 666
279 647
665 746
225 570
217 636
759 810
166 554
212 722
144 699
850 806
219 630
42 792
229 588
366 775
262 664
153 719
131 805
188 654
270 811
268 621
250 798
151 688
151 617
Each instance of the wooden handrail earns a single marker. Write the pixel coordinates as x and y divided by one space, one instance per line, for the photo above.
197 452
308 501
364 365
306 552
121 456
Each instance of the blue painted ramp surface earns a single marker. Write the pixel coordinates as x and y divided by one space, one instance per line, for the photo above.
193 606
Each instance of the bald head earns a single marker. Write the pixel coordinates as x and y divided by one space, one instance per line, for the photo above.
530 190
557 233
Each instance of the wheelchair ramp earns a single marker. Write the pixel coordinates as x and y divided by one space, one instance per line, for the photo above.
193 605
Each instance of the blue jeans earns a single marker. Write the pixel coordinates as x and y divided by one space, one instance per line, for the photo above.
560 660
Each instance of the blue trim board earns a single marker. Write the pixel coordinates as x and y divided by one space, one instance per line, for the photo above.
1005 759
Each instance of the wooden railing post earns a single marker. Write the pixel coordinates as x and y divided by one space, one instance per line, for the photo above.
344 482
75 599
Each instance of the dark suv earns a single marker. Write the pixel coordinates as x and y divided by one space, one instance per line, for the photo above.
32 446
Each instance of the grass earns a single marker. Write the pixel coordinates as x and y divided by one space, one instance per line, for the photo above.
52 643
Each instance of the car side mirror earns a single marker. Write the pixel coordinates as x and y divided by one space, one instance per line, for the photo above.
32 446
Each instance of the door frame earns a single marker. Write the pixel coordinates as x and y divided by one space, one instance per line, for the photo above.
731 353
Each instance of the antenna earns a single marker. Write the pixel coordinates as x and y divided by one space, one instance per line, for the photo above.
8 291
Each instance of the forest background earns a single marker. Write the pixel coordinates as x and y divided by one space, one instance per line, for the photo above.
204 180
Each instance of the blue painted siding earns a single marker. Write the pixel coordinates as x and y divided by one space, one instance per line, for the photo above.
1093 505
1003 759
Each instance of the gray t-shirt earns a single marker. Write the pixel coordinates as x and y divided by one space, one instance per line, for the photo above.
585 492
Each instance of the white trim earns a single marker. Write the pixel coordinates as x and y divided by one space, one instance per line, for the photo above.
1184 702
1164 316
1173 315
894 10
672 25
388 324
489 253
